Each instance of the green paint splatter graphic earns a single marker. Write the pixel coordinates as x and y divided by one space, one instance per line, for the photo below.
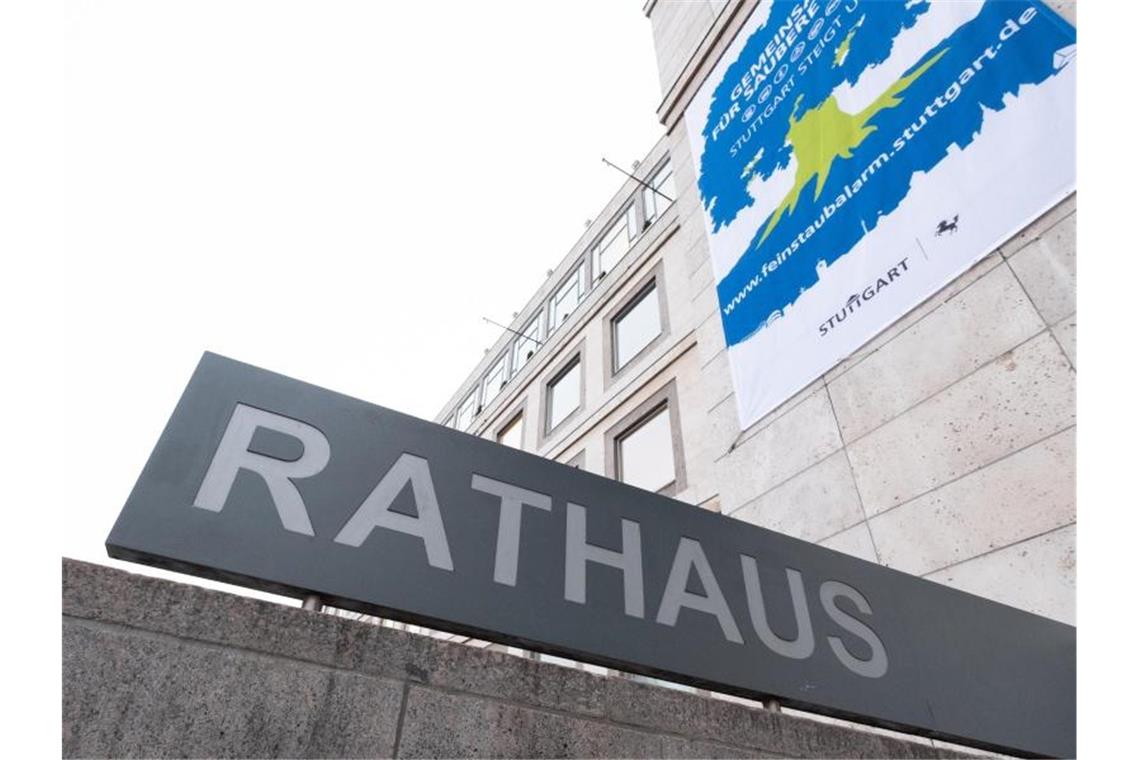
826 133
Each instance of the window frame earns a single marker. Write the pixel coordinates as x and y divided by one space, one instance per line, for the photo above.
579 274
627 217
646 193
664 398
517 362
577 461
654 278
473 397
503 359
620 440
575 356
519 414
615 323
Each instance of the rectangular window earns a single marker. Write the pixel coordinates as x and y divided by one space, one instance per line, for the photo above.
615 243
645 453
636 326
495 380
466 413
666 193
567 297
511 435
563 394
526 344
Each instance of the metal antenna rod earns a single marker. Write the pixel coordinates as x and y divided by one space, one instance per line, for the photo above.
515 332
635 179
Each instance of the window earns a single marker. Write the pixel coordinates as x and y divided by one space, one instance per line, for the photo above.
645 453
511 435
466 413
637 322
567 297
645 448
636 326
615 243
527 344
661 196
495 380
563 394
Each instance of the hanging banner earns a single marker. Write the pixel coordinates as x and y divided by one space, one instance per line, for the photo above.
853 157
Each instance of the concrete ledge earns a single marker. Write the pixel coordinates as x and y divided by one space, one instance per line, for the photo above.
159 669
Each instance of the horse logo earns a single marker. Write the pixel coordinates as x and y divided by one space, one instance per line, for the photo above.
947 225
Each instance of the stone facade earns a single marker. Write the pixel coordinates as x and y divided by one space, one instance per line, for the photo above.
153 668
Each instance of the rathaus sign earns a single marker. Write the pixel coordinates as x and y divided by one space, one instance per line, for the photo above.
269 482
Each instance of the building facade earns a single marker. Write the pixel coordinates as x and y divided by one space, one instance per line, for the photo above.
944 447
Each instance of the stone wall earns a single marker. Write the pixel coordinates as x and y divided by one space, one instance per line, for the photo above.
155 668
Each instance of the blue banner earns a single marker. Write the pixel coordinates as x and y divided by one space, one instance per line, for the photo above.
820 120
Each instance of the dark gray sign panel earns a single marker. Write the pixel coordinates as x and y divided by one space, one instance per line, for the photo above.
269 482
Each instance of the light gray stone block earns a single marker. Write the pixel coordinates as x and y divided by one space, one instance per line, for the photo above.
677 30
1018 399
1039 226
421 660
439 724
674 747
685 186
855 541
806 434
1047 269
100 593
987 318
710 339
691 238
127 695
1026 494
681 156
705 305
690 716
1065 332
715 384
819 502
722 427
700 281
731 729
1038 575
965 752
1066 8
925 751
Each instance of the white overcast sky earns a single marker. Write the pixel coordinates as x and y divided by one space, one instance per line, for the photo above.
337 191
